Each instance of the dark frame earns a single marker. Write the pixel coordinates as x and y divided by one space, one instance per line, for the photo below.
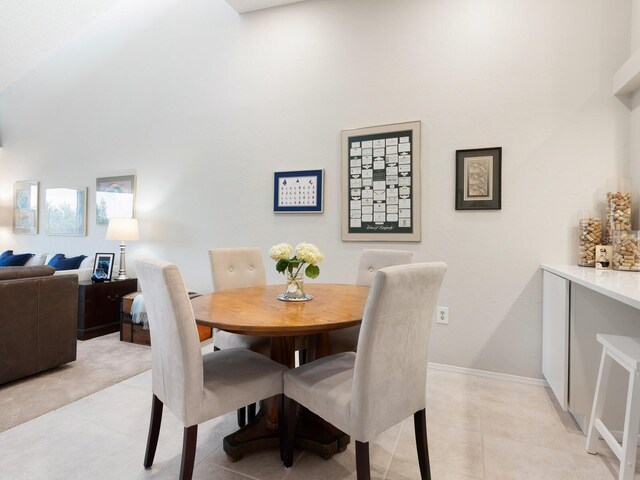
102 257
486 194
316 208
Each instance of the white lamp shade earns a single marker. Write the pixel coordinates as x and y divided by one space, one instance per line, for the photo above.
123 229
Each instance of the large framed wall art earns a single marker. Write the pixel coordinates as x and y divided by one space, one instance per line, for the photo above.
25 207
66 211
479 179
381 183
115 198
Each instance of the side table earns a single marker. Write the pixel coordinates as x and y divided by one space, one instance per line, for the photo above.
99 306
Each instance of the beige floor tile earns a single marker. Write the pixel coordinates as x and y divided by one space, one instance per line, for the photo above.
209 471
519 424
142 381
33 434
600 467
525 413
128 464
341 466
506 459
452 449
66 456
7 476
265 464
452 399
115 397
406 470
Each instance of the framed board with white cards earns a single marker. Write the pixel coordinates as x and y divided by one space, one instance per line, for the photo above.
381 183
298 192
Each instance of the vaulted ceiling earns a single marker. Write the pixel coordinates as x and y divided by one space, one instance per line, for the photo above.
32 29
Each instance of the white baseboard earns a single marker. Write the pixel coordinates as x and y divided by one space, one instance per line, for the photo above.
484 373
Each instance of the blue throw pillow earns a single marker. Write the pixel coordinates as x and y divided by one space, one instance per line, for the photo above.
60 262
8 259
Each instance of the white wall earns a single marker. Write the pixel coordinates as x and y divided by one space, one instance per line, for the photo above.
204 105
634 105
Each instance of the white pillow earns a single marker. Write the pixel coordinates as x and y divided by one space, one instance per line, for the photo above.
36 260
87 262
84 274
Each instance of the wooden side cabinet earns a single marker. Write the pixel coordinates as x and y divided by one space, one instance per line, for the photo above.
99 306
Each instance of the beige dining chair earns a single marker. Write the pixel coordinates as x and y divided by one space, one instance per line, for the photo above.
371 260
238 268
195 387
366 393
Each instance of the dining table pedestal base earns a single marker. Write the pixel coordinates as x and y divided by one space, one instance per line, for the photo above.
312 433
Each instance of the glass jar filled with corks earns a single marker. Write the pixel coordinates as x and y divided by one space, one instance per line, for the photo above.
626 250
590 235
617 207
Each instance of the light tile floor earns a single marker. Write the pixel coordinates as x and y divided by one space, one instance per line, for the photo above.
478 428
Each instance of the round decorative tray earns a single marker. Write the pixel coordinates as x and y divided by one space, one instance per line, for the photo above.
306 298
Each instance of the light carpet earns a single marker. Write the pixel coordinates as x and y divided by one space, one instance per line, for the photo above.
101 362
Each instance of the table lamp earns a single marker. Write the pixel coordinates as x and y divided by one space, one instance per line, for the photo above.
122 229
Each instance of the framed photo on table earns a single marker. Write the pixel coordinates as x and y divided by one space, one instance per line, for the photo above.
479 179
104 263
381 183
25 207
298 191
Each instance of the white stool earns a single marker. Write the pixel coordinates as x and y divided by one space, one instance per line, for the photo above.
626 352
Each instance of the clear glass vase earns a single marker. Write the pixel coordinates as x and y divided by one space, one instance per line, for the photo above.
295 285
626 250
590 236
618 207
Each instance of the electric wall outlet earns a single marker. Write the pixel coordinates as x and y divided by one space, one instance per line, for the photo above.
442 315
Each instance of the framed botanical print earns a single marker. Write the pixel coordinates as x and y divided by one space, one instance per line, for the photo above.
479 179
381 183
66 211
25 207
115 198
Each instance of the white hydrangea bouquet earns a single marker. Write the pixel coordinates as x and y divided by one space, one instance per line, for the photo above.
305 254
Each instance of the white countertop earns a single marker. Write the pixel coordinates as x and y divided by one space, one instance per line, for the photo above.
621 286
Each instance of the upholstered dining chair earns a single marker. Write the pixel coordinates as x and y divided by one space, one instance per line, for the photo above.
371 260
195 387
366 393
238 268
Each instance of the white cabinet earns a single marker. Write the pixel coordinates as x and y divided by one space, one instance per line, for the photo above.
578 303
555 335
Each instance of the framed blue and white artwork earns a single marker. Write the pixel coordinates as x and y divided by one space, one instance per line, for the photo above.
298 192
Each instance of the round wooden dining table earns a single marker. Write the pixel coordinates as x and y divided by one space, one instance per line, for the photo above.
258 311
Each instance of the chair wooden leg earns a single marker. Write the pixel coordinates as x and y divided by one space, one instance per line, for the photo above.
188 452
242 419
420 423
362 461
154 431
251 412
288 417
